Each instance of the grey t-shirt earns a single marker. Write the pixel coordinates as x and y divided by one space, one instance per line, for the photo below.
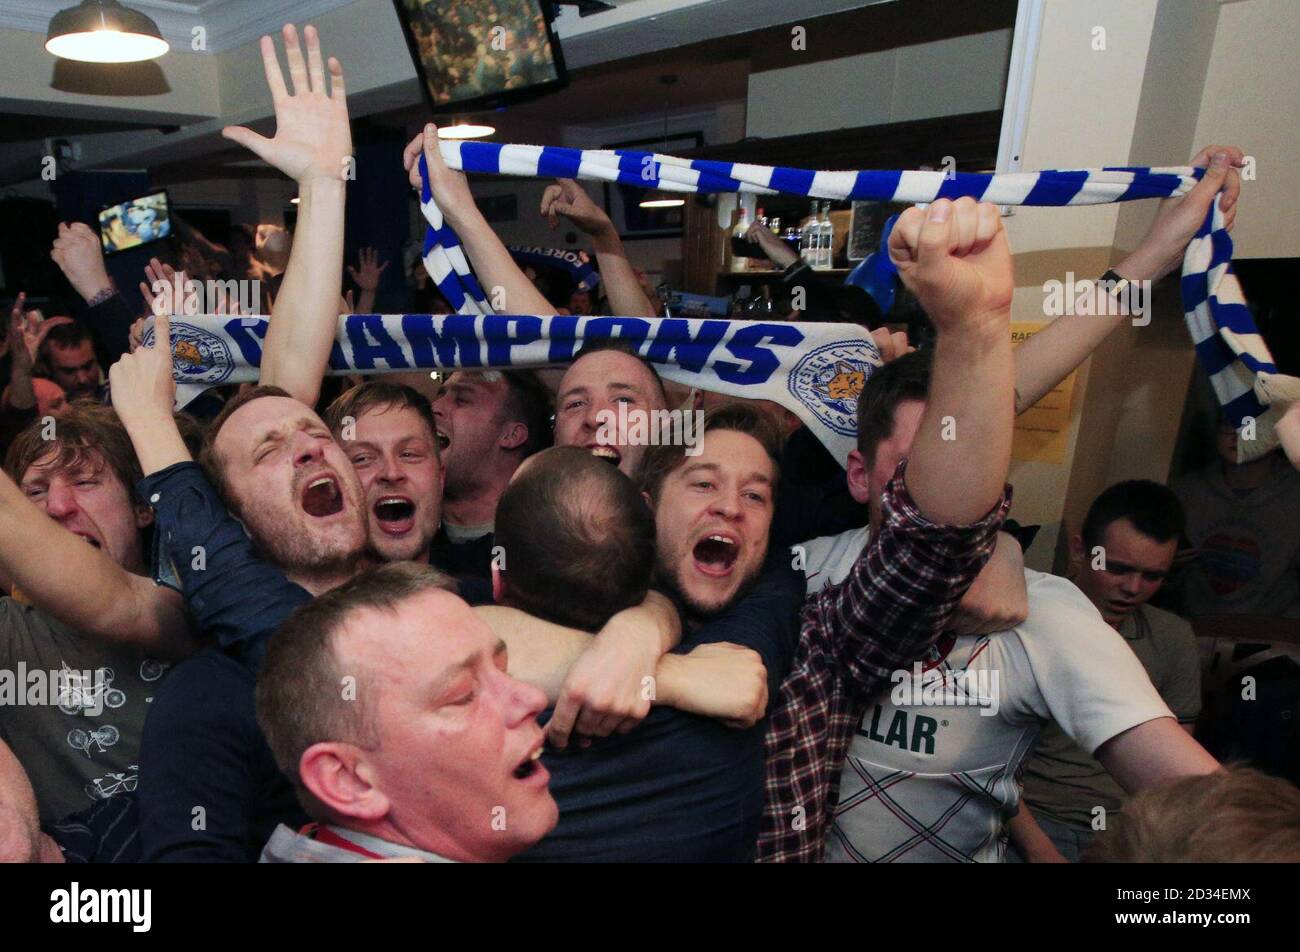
71 708
1065 783
1248 551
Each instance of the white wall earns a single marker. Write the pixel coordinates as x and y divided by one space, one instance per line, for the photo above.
1083 113
1175 76
944 78
188 90
1252 98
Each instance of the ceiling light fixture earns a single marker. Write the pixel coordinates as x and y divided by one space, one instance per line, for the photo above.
104 31
659 198
465 130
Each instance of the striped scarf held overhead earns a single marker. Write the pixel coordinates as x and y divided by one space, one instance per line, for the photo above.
1229 346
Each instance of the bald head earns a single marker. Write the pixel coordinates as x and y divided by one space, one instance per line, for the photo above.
578 539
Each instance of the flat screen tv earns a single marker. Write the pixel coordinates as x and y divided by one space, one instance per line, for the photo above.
475 55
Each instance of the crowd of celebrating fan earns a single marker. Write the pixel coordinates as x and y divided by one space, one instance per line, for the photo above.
335 619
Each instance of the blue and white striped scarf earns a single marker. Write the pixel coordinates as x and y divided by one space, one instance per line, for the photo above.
1227 342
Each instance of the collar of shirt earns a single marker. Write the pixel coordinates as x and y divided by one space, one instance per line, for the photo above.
459 534
372 846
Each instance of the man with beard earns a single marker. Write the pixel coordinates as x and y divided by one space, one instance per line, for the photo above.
67 356
678 787
488 423
282 473
210 789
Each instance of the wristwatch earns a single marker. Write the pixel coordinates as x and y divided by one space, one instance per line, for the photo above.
792 269
1125 292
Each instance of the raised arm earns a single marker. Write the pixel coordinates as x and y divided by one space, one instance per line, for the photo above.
936 532
626 296
313 146
489 257
83 587
80 256
235 596
19 394
143 394
367 279
1047 358
954 256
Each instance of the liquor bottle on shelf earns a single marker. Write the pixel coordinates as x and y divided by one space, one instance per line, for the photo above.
793 240
808 237
739 262
759 262
825 238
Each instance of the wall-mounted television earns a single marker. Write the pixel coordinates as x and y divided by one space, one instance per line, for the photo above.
474 55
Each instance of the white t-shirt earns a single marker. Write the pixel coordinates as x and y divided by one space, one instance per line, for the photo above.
931 772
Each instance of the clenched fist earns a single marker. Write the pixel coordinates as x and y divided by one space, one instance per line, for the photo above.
449 186
720 680
954 257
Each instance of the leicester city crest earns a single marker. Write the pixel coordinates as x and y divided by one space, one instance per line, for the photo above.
828 381
198 356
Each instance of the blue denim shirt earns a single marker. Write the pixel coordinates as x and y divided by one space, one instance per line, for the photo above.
235 595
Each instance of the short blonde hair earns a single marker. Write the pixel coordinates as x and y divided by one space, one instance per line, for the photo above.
1234 815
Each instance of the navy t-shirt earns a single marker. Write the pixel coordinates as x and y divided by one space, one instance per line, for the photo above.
679 788
210 790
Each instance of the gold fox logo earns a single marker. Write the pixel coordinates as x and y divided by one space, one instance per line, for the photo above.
184 350
845 385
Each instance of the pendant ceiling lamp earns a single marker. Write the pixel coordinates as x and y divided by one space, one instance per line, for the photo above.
104 31
657 197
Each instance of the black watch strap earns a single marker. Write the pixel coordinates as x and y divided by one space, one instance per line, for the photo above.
793 269
1126 292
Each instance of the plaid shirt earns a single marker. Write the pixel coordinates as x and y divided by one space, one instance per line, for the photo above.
894 604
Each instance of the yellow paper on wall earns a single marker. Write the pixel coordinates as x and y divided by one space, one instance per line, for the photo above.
1042 431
